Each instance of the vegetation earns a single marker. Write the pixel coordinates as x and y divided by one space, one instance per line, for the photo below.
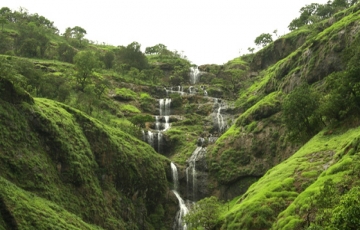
204 214
73 115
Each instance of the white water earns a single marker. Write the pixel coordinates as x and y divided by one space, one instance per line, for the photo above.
155 138
191 173
194 75
157 123
183 210
175 176
167 124
220 120
179 89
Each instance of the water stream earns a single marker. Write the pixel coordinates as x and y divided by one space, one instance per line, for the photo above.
191 181
183 210
194 75
162 123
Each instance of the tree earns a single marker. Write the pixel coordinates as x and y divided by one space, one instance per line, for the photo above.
205 213
153 74
132 56
157 49
68 33
300 112
108 59
6 43
251 49
100 86
347 214
263 39
85 63
3 21
66 53
232 79
78 33
276 33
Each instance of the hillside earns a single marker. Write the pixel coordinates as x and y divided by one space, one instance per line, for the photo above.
88 131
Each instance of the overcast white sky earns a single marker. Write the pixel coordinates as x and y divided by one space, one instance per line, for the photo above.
207 31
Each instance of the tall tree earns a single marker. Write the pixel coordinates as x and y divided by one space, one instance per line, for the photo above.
85 63
132 56
263 39
78 33
300 112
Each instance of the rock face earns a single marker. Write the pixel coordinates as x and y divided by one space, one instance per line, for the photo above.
277 50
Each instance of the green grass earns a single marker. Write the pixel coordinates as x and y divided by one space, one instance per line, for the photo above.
284 184
64 157
129 109
27 210
126 94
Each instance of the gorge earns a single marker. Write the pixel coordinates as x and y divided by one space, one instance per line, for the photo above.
109 137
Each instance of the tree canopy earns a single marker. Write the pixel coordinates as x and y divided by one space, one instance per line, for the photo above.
263 39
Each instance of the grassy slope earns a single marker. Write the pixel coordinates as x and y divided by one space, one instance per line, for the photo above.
289 185
275 200
58 155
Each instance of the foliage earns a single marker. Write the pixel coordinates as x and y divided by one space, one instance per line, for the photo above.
129 109
300 112
66 52
108 59
313 13
85 63
140 120
232 78
204 213
263 39
159 49
31 42
126 94
346 215
132 56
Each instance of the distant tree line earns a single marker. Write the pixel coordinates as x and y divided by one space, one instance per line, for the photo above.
310 14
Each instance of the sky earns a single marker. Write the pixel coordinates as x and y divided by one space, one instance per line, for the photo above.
206 31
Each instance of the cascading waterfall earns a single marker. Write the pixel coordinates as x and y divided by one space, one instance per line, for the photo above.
179 90
194 75
191 184
157 122
162 123
150 138
219 118
183 210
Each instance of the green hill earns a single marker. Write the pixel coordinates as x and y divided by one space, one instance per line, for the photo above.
74 116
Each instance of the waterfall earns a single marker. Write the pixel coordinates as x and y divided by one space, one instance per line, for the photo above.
161 106
192 90
191 174
220 120
159 142
179 90
162 123
157 123
150 138
175 176
167 124
194 75
183 210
